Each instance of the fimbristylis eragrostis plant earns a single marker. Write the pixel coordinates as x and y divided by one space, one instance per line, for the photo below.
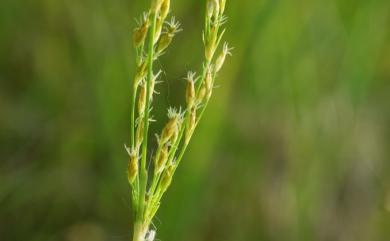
152 36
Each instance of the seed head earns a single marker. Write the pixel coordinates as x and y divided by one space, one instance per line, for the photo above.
171 129
209 78
156 5
140 32
201 94
209 81
132 167
212 8
162 159
190 92
221 58
142 99
140 132
158 30
153 83
222 4
165 41
190 125
165 8
166 178
172 28
211 42
140 75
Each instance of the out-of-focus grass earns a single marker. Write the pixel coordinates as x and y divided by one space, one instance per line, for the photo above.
295 145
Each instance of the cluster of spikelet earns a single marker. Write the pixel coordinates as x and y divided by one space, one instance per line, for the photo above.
152 36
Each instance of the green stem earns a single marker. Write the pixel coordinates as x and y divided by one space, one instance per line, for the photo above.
143 171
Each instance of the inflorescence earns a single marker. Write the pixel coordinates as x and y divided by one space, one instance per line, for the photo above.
151 38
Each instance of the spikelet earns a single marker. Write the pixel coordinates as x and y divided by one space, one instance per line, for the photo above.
201 94
172 28
161 160
153 84
212 8
211 43
221 58
164 10
190 91
132 167
222 4
156 5
140 75
165 41
158 30
209 82
166 178
171 128
140 132
142 99
140 32
190 125
209 79
216 8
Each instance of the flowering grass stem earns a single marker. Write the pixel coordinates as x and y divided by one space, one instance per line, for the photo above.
152 37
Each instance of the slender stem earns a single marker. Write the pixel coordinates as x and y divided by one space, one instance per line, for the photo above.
143 171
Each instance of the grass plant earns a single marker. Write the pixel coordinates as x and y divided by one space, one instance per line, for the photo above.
151 38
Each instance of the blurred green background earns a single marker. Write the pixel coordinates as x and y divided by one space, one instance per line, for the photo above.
295 145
